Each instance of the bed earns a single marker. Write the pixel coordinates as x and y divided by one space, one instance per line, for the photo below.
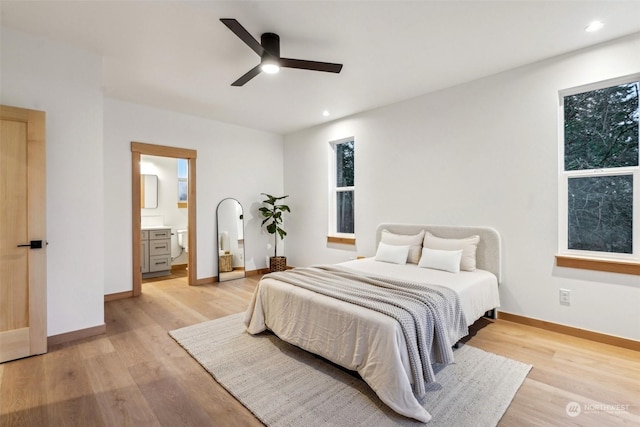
374 344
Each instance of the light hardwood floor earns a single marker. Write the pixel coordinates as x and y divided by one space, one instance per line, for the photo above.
136 375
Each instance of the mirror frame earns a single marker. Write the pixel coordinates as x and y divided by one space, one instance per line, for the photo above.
241 219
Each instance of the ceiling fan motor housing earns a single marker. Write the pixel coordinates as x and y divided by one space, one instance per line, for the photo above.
271 44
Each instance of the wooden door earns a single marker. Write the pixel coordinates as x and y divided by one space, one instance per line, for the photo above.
23 265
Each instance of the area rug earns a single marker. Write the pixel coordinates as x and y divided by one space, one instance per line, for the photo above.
286 386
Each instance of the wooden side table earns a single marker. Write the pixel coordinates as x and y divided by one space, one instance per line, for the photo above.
225 263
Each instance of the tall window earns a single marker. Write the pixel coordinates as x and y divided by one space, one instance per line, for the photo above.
183 182
342 191
599 174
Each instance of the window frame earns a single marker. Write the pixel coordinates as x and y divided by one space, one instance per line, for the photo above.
333 235
594 260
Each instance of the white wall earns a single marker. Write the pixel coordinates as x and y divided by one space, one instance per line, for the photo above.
232 162
483 153
66 84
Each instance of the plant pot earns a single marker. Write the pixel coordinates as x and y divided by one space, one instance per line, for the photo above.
277 263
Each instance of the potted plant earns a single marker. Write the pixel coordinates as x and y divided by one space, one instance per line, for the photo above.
272 214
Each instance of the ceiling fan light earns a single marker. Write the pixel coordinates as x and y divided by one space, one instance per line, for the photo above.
269 64
270 67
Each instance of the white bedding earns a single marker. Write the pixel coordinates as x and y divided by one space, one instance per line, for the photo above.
357 338
477 289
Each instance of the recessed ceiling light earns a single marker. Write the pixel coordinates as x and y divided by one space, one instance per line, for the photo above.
594 26
325 113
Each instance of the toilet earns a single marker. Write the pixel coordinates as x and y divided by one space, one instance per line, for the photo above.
183 239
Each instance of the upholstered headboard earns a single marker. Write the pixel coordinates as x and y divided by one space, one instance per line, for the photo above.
488 255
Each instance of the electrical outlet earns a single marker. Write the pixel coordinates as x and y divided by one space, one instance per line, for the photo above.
565 297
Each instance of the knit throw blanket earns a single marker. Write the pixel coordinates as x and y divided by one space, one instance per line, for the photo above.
430 316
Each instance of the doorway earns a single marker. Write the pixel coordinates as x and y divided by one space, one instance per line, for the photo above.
137 150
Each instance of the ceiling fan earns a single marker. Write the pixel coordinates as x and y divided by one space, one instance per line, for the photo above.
269 51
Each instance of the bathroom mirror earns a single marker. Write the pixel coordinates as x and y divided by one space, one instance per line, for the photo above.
230 240
148 191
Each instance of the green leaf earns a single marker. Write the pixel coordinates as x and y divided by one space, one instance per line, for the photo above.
273 215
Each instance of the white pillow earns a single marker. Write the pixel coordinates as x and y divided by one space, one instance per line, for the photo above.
468 246
392 253
413 240
441 260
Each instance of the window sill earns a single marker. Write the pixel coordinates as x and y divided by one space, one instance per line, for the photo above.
341 240
599 264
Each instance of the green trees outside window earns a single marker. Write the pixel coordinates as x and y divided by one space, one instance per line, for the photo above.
601 143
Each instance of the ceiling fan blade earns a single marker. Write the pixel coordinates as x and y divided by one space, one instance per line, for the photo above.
248 76
310 65
243 34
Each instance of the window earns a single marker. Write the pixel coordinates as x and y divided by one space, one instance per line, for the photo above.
342 191
599 171
183 182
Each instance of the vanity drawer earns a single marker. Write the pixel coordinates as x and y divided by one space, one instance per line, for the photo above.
159 263
144 256
159 247
164 233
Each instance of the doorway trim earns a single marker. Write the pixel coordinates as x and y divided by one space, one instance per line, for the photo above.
138 149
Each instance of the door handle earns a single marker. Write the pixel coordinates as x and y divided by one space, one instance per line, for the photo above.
34 244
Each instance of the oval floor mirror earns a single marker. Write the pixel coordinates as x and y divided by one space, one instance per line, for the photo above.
230 240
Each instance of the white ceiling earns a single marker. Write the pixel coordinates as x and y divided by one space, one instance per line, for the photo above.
177 55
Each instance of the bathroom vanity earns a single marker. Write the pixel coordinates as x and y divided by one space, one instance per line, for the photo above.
156 251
